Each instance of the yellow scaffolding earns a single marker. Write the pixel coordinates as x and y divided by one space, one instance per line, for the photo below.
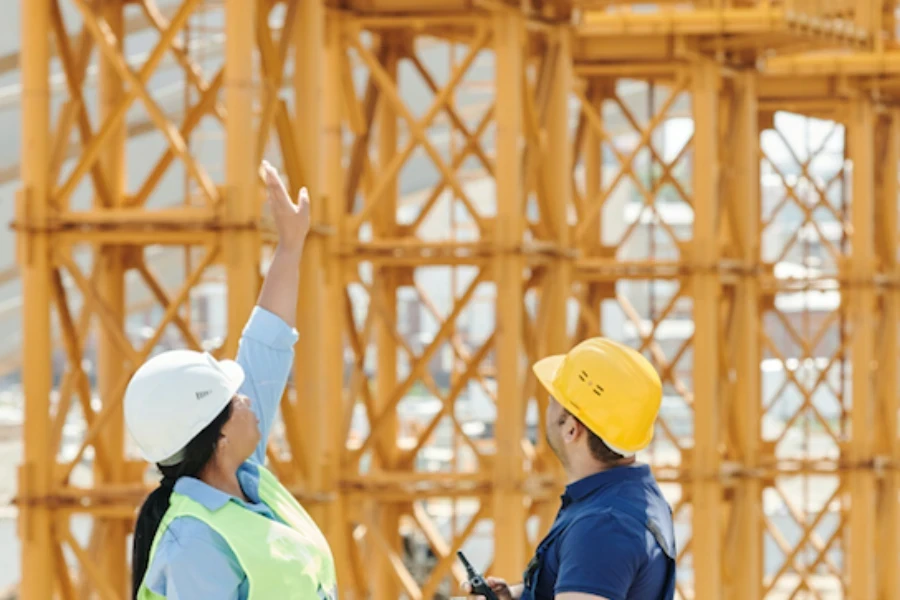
734 66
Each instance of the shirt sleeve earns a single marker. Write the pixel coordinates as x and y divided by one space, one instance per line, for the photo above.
193 561
266 353
598 556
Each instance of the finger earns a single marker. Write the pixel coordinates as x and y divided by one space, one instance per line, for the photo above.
273 180
268 172
303 197
274 183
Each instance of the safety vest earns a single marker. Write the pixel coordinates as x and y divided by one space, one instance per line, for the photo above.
291 561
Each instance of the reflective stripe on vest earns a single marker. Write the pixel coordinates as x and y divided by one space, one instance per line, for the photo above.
290 561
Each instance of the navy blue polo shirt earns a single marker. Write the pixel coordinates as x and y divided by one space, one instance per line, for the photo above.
613 537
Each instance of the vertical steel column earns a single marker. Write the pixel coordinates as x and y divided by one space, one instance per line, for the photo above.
334 444
745 200
319 368
508 510
108 539
311 370
593 159
705 286
888 380
240 237
861 305
598 91
384 583
557 165
33 254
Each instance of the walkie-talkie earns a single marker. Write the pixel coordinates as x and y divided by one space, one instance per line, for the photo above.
479 585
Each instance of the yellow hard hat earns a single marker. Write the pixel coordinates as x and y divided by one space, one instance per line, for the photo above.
611 388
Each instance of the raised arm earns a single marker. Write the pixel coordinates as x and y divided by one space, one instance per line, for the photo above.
266 349
279 290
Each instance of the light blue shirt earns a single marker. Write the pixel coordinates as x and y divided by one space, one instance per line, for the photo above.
193 561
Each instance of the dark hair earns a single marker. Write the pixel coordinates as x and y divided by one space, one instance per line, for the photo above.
599 450
197 454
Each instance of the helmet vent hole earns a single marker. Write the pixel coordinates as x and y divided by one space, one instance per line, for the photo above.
597 389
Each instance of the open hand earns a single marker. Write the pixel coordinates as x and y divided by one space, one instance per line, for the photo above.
291 220
499 586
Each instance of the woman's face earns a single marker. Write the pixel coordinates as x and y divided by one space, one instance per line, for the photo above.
241 431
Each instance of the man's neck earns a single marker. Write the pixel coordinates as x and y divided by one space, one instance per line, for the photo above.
224 480
592 467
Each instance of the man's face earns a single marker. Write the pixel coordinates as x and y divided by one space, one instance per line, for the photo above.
554 421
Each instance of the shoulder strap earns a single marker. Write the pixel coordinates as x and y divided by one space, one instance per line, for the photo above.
668 546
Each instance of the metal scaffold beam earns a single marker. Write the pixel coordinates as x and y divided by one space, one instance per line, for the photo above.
33 254
490 182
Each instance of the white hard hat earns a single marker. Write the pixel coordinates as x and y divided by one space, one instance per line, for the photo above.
173 396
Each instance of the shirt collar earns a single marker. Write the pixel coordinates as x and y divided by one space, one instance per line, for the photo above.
214 499
578 490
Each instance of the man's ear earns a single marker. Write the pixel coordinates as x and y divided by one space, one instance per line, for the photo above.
572 431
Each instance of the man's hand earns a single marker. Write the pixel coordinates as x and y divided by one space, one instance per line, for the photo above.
503 590
291 220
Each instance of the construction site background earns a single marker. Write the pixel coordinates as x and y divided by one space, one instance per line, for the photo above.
714 183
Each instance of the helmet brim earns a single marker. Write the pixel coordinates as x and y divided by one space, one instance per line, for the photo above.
545 370
235 373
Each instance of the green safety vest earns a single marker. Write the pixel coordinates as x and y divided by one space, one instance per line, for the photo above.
290 561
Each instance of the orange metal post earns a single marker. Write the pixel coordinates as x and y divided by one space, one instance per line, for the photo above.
33 208
593 183
557 165
312 371
705 285
861 307
240 238
319 367
109 536
334 442
508 509
888 379
745 200
384 583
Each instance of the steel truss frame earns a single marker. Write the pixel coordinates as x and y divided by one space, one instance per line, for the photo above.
540 246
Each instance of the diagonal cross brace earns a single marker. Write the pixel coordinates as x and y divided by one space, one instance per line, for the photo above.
135 357
417 127
104 35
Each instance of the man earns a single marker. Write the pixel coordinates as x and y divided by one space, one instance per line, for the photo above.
613 538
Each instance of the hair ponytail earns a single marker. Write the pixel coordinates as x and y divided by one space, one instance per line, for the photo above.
198 452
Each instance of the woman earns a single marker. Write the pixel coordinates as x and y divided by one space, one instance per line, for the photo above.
220 525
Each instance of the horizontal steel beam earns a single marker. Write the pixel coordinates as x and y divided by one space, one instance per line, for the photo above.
724 22
835 64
